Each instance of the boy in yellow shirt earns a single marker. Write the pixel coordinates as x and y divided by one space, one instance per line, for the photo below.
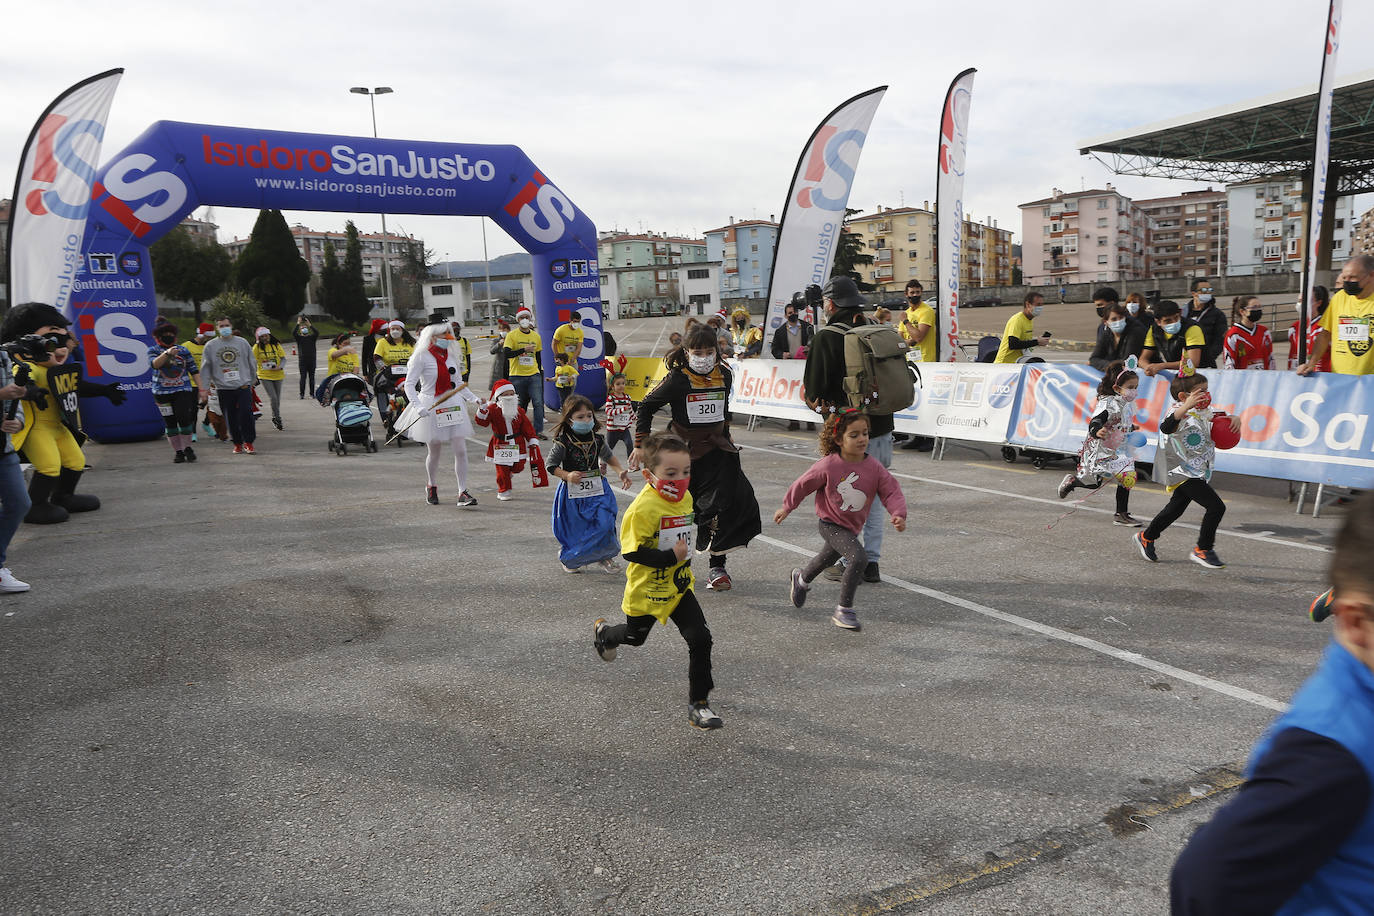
656 541
564 378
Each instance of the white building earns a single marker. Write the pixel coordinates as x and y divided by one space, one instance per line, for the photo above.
455 297
1268 227
695 287
1089 236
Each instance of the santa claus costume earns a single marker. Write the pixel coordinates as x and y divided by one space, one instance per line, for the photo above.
438 399
511 434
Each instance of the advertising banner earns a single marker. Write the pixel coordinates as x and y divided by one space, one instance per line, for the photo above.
1321 163
173 168
52 193
969 401
813 213
949 212
642 373
770 388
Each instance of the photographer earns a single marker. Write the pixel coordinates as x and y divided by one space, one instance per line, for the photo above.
14 499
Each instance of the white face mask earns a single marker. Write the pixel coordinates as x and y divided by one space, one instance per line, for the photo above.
1133 307
508 405
395 334
701 364
525 324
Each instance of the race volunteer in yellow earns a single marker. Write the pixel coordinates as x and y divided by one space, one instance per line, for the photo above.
270 356
918 325
525 367
569 338
393 350
1019 335
1345 326
342 356
1172 340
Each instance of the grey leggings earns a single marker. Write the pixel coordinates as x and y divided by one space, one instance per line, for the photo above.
273 389
839 542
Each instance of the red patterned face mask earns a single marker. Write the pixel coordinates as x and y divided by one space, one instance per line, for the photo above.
672 490
1205 401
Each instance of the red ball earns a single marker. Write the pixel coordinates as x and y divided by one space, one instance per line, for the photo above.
1223 436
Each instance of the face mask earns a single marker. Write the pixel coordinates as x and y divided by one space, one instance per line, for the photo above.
525 324
1172 327
672 490
1037 310
395 335
224 332
1254 314
1351 287
792 319
1205 401
582 427
914 300
1117 326
166 341
1133 308
1102 312
701 364
508 406
1204 298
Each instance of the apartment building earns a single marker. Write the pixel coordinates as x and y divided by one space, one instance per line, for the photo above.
902 243
1267 232
1188 234
1363 243
642 273
745 252
310 243
1090 236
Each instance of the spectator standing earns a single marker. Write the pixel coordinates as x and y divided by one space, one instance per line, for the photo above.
1247 344
1320 298
1018 335
918 324
464 348
230 371
14 498
745 337
525 367
792 339
370 342
1345 325
1172 340
1204 313
1119 338
305 337
823 388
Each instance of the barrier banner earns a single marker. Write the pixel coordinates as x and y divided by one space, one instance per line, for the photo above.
1292 428
642 373
770 388
969 401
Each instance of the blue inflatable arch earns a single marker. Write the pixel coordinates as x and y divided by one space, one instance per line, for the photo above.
173 168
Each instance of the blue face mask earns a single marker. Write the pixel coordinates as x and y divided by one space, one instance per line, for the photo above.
225 332
582 427
1172 328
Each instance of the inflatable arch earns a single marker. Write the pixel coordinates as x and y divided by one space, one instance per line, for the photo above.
173 168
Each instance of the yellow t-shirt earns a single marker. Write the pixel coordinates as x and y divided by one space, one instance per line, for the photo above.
390 353
1192 338
567 339
1348 320
197 353
523 364
347 362
1019 326
919 315
651 521
565 377
271 361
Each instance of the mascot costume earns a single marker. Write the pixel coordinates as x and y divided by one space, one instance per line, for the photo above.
51 438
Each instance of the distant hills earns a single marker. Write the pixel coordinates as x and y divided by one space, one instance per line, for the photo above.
517 263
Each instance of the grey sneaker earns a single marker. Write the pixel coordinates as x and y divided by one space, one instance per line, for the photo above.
599 628
1067 484
845 618
799 589
1126 520
466 499
834 573
700 715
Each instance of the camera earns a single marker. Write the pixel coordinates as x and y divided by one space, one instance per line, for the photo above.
814 295
31 347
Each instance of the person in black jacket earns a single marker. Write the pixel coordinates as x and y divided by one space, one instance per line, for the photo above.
1171 340
793 332
1204 313
1120 337
306 338
823 389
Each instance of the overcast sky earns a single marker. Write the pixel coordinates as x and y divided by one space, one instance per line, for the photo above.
674 117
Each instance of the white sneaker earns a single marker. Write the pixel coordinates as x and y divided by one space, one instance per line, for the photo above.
611 566
10 584
503 495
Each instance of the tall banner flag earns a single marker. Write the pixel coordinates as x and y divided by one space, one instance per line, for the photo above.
814 212
52 193
1321 166
949 212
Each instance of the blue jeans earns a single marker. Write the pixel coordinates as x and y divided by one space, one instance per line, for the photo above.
879 447
14 501
530 388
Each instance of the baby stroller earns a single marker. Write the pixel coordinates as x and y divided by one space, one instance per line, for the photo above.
347 394
391 398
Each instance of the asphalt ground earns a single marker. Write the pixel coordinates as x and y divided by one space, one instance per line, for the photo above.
284 684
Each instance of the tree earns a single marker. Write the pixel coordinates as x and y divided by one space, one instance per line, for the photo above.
331 280
189 269
408 296
352 307
848 254
243 311
271 269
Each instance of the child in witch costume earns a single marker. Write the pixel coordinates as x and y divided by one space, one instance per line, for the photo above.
512 439
51 438
697 390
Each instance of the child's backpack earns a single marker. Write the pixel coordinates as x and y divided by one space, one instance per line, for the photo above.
877 377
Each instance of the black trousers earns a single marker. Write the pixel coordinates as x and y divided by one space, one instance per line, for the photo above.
182 420
691 623
307 372
236 406
1191 491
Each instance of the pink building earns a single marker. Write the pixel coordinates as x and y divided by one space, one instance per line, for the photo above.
1096 236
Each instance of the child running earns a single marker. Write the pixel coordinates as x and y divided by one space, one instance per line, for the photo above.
656 540
1103 453
620 415
564 378
1184 465
583 509
697 390
845 481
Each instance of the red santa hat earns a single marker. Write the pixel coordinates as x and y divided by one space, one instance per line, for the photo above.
377 325
205 327
502 387
523 313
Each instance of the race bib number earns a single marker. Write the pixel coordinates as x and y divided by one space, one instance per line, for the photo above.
506 456
271 365
589 485
706 407
232 377
212 403
525 361
448 416
1353 329
164 409
398 369
675 528
570 349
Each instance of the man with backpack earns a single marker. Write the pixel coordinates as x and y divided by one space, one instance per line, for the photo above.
834 381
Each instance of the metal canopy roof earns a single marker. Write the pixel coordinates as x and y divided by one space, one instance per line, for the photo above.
1261 137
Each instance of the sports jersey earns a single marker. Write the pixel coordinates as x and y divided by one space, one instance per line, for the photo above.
392 352
568 339
270 360
565 377
1022 327
652 522
1348 319
523 364
1247 348
346 362
919 315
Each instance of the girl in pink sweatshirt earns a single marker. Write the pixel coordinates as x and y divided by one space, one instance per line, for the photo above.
845 481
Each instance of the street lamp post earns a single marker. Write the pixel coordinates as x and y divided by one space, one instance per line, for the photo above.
386 257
